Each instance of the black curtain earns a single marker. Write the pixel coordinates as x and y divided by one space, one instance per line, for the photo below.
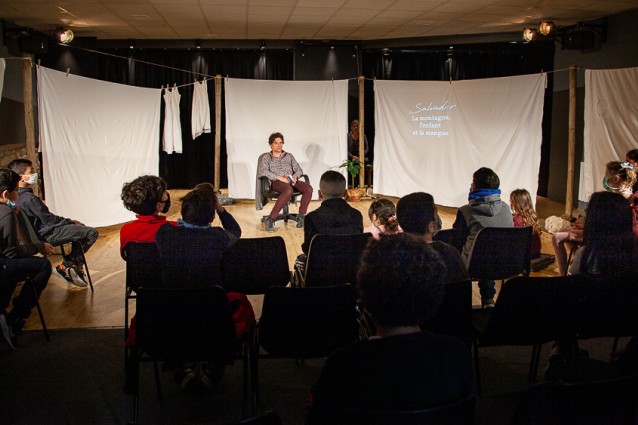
461 62
196 163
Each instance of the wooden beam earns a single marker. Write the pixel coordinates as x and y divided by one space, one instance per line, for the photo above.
218 130
29 124
571 142
362 134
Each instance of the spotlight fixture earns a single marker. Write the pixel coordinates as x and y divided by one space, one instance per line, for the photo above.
263 45
529 34
386 51
546 27
65 35
355 50
131 43
198 43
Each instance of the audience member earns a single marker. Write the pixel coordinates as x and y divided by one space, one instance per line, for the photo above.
52 228
147 197
283 171
524 215
401 284
417 214
484 209
620 177
353 143
334 216
383 215
609 246
17 262
192 251
632 158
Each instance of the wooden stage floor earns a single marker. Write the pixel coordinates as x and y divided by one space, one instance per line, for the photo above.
67 306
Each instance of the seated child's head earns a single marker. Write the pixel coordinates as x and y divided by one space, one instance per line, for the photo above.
520 201
632 158
619 176
401 280
415 211
21 165
332 185
485 178
383 211
8 184
198 207
145 195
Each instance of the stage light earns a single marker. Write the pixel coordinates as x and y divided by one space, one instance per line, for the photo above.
529 34
65 35
262 47
386 51
198 43
546 27
131 43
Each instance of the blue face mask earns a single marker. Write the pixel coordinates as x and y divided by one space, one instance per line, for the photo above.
609 188
10 203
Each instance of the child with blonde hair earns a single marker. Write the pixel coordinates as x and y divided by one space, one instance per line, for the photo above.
383 215
523 215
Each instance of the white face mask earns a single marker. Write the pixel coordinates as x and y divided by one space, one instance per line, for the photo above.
33 179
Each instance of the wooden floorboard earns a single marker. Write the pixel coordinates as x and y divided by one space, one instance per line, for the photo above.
67 306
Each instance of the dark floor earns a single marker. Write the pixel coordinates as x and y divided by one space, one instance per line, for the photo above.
77 377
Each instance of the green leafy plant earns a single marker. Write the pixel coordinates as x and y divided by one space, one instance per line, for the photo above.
354 168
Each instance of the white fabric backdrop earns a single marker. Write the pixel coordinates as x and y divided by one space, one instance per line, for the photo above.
312 116
432 136
611 121
94 137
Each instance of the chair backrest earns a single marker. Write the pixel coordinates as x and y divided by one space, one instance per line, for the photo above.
606 307
334 259
308 322
500 253
251 265
143 266
457 413
608 401
451 237
530 310
454 316
185 324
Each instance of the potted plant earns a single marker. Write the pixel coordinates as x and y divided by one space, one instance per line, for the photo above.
354 168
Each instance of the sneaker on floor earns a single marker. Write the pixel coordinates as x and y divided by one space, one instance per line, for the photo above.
77 277
6 331
489 303
300 220
62 272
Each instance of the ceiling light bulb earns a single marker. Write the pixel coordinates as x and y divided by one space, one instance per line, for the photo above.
528 34
546 27
66 36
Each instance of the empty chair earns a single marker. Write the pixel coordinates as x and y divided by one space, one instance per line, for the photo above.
305 323
451 237
499 253
454 316
529 311
333 259
457 413
251 265
165 333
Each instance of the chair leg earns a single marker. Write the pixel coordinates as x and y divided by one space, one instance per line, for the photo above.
533 364
44 325
614 347
157 381
477 370
254 369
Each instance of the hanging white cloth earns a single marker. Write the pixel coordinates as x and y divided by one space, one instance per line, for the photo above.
200 121
2 66
172 140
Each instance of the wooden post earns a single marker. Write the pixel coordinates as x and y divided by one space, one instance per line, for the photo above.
362 134
218 130
29 125
571 142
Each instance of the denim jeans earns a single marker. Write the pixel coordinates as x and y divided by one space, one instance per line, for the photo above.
34 271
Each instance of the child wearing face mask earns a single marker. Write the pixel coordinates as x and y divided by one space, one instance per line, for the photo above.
52 228
17 263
